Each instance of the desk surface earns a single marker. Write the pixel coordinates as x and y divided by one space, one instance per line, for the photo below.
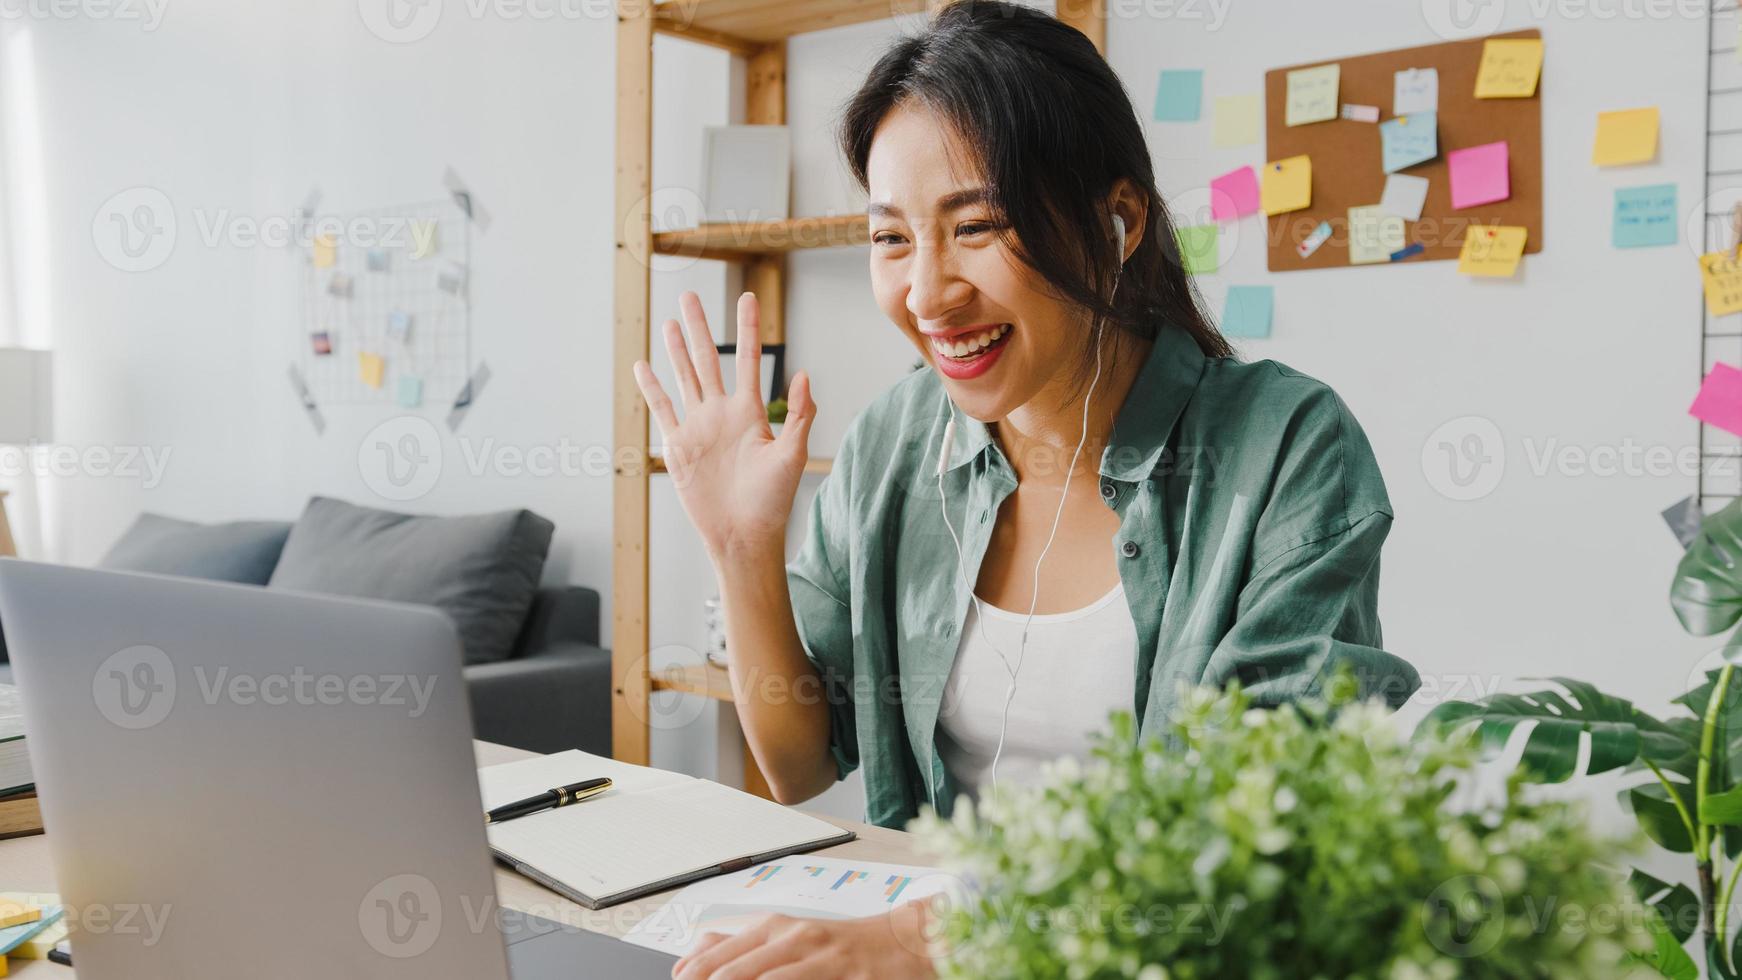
24 866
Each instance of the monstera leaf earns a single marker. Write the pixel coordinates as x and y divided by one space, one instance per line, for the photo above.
1707 592
1619 732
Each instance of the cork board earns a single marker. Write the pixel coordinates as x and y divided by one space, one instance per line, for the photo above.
1346 155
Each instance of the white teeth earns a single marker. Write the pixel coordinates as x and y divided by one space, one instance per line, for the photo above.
962 347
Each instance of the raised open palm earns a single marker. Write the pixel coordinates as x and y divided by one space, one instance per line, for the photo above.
735 478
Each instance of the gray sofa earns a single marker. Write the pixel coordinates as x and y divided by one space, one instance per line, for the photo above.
535 672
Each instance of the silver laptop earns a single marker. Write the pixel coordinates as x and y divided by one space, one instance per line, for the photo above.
240 781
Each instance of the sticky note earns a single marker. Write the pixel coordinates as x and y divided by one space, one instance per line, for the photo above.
410 391
1491 250
1479 175
1179 96
1233 194
424 239
1286 185
340 285
1236 122
1645 216
1719 401
321 342
1415 90
326 251
372 368
1408 140
1312 94
376 258
1684 518
1360 113
1509 69
398 324
1373 235
1248 311
1198 246
14 912
1404 196
1721 277
1626 136
1318 236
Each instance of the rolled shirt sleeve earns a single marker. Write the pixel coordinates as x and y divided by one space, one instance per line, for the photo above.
822 607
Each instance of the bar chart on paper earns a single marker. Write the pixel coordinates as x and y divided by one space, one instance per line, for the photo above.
819 888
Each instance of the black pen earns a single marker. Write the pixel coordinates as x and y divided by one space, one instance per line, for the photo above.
549 799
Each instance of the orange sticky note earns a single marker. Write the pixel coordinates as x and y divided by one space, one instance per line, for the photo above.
1287 185
1627 136
1492 250
326 251
1510 67
372 368
1721 277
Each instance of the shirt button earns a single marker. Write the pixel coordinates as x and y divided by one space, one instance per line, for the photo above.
1109 491
1129 549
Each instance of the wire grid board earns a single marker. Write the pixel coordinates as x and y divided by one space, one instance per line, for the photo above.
392 274
1720 336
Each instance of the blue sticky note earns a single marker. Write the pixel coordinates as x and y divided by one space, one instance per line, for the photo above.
15 936
1179 96
410 391
1248 311
1645 216
1409 140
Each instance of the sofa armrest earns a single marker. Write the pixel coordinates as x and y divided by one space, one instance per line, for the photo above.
559 614
547 700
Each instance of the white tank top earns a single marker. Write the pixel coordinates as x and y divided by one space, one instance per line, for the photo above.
1076 668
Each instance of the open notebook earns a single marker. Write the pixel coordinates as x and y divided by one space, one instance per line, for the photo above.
652 830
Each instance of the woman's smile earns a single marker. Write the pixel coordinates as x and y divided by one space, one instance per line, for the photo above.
970 351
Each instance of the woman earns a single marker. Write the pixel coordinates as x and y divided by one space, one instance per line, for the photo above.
1134 507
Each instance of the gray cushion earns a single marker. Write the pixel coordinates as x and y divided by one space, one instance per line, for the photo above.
482 569
240 551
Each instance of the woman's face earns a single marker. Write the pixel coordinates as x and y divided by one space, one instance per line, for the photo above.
979 318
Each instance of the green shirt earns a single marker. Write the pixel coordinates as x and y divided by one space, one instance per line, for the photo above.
1251 515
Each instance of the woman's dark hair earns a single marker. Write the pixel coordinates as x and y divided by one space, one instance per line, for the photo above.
1053 129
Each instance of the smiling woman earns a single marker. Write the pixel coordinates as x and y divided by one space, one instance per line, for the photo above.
1084 464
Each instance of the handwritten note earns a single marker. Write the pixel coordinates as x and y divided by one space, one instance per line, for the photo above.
1198 247
1249 311
1179 96
1404 196
1415 90
1644 216
1236 122
1509 69
1721 276
1287 185
1408 140
1360 113
1233 194
1312 94
1479 175
372 368
1373 235
1624 137
1492 250
1719 401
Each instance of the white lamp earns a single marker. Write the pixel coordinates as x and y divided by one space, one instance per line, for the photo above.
26 412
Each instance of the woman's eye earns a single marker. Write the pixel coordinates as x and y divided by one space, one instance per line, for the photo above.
886 238
974 227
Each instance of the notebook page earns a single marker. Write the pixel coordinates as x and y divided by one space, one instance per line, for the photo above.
510 781
614 844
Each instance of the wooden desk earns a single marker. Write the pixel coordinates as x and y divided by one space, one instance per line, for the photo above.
24 866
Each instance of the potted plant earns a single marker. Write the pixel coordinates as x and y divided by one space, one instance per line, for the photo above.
1689 796
1309 840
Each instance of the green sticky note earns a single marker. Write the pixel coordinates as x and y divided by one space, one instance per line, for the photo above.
1198 247
1645 216
1248 311
1179 96
410 391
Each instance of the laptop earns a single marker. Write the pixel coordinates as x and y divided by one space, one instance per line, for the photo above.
241 781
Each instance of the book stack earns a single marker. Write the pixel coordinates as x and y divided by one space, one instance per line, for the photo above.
19 814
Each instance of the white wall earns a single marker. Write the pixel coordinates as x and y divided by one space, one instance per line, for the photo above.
243 107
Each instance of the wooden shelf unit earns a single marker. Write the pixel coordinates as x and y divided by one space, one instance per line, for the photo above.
756 30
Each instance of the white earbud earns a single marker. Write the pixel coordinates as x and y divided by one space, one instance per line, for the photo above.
1119 236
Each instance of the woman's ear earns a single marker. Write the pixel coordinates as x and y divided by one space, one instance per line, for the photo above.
1128 202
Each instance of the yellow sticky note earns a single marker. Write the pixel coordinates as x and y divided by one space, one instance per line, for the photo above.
1312 94
1492 250
1721 275
1625 136
1236 120
326 251
1373 235
424 241
1510 68
1287 185
372 368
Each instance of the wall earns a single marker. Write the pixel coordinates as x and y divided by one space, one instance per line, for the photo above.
239 109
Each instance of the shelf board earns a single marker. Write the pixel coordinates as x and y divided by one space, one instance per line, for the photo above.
816 464
707 680
737 240
746 23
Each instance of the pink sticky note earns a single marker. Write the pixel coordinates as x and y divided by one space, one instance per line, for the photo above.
1719 402
1479 175
1233 194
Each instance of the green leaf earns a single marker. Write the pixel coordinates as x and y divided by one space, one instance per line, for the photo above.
1716 968
1723 809
1706 593
1617 730
1677 906
1650 803
1667 956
